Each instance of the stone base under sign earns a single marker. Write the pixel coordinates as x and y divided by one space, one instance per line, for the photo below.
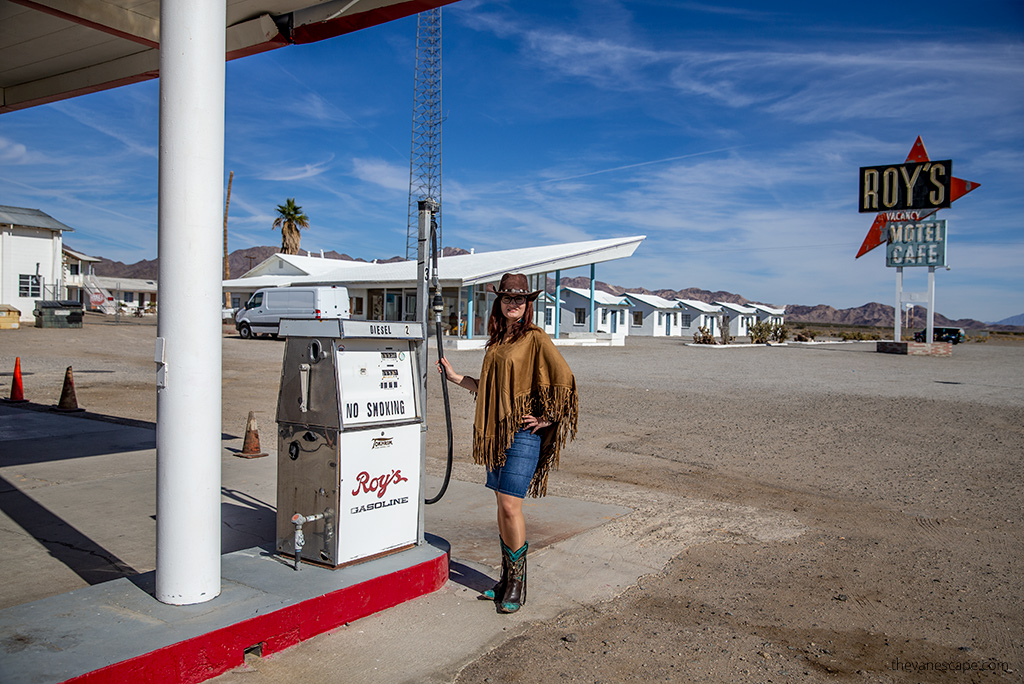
915 348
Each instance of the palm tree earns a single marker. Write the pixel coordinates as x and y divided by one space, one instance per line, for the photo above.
290 219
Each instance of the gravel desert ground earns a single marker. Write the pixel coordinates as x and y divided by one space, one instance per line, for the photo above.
893 485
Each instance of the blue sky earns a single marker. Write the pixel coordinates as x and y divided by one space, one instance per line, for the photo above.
729 133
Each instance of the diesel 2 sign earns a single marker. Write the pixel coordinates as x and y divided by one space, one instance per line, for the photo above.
913 185
921 243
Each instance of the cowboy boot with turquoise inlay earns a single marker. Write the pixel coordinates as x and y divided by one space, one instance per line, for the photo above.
498 590
515 589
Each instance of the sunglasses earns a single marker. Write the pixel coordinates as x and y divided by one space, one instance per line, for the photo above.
513 299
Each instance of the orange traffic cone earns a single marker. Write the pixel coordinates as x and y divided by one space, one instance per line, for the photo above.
251 443
68 400
17 389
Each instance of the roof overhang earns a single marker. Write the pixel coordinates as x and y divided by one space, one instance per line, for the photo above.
454 271
52 50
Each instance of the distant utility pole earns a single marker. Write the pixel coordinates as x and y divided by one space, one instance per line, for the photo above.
227 269
425 160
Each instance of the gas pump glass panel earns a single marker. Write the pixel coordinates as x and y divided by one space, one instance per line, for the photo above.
377 382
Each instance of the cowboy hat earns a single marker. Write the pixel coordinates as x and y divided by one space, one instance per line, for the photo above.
514 284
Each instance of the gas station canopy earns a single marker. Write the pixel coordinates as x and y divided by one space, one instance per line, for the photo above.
51 50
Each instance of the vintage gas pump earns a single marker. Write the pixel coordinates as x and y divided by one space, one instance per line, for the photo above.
349 416
351 443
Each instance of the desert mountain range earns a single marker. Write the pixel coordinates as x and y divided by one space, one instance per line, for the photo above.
872 313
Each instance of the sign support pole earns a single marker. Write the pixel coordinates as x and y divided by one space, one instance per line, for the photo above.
899 304
931 304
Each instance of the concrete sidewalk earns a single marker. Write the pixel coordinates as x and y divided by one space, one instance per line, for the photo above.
77 501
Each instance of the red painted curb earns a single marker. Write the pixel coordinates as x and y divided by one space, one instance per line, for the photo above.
206 656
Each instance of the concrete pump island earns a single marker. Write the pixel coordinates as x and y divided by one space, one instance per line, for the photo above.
787 513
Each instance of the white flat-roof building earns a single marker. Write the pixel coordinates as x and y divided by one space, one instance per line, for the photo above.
610 312
78 268
695 314
740 317
769 314
653 316
31 266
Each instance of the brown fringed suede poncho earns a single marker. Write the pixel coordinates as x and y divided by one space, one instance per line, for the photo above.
526 377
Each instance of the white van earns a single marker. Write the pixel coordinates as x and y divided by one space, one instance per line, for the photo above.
263 312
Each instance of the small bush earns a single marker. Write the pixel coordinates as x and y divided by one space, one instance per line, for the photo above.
806 335
703 336
760 332
780 333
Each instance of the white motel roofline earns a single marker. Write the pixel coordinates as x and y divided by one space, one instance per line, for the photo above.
282 270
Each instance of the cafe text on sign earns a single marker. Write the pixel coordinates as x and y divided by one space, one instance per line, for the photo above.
916 244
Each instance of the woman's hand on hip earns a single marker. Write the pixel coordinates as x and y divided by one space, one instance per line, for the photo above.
533 423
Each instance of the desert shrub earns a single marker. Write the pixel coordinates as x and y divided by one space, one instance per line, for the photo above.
760 332
780 332
806 335
726 337
851 335
703 336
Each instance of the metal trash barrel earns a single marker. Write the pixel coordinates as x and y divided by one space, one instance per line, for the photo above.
58 313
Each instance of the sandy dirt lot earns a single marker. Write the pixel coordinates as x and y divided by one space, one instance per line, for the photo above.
900 479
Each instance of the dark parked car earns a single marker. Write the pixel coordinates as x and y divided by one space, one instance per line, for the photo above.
954 335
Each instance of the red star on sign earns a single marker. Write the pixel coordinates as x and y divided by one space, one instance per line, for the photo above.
957 189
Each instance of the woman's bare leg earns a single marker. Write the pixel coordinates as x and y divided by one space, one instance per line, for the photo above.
511 523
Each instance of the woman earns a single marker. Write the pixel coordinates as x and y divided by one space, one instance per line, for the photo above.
526 410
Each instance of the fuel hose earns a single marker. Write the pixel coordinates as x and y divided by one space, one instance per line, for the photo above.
438 306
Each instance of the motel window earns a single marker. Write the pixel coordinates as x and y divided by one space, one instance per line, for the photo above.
74 269
355 306
604 316
28 286
622 317
686 320
581 316
661 318
547 317
638 319
675 319
129 297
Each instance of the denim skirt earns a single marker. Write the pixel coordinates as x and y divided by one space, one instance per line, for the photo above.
521 459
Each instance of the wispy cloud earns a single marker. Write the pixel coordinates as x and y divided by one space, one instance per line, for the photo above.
115 130
14 153
293 173
382 173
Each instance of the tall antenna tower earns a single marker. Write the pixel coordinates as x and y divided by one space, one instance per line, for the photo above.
425 160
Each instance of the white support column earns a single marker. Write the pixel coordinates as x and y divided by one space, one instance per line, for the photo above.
469 312
558 308
593 274
191 206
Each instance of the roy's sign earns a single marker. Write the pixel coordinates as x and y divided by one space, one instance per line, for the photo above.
921 243
908 186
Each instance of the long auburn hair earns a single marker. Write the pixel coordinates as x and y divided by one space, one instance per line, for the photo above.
498 325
